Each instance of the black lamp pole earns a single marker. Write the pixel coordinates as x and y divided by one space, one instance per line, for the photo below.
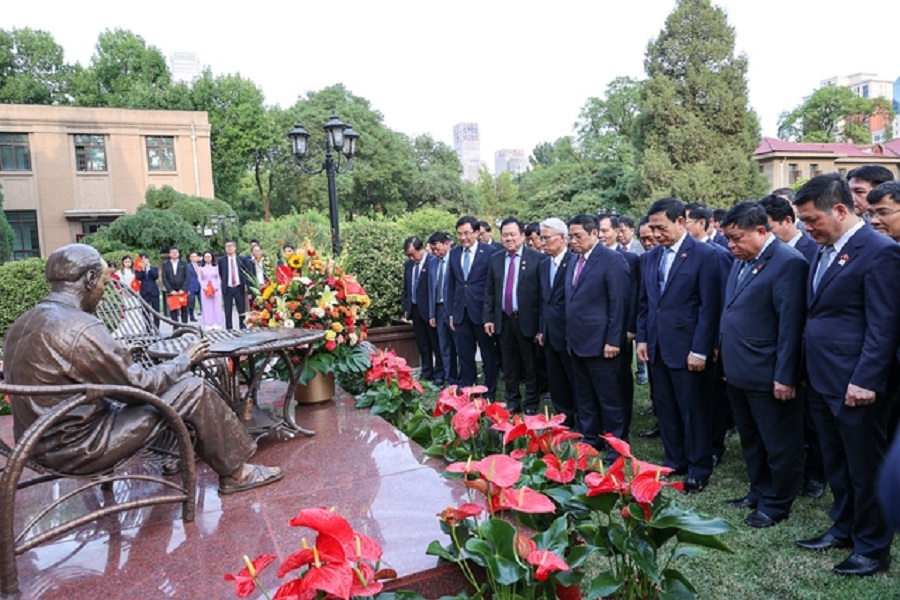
342 138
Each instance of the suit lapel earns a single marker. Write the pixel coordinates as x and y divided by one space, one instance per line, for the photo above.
848 253
683 253
758 265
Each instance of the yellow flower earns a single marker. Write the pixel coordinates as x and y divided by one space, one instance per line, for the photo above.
273 323
328 298
330 335
267 293
337 327
296 261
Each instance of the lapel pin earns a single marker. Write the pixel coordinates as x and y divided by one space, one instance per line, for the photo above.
843 261
684 255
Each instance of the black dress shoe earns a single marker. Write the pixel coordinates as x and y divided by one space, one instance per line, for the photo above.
861 566
758 519
826 541
650 433
813 488
744 502
692 486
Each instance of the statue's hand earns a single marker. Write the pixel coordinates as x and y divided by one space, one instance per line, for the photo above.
197 350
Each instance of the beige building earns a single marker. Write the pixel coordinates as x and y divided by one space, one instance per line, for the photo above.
66 171
785 163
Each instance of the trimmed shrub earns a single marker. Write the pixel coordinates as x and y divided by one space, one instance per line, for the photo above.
290 229
22 286
374 251
426 221
152 228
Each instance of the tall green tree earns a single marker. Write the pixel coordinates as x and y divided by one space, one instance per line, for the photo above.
437 178
239 126
832 114
696 134
125 72
32 68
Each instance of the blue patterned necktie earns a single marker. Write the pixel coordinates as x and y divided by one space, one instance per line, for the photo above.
467 263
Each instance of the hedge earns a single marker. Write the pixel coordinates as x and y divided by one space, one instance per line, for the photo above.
22 286
375 255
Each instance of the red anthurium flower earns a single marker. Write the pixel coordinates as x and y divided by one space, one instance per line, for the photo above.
546 562
294 590
467 421
327 549
623 448
518 454
364 548
613 481
540 443
568 592
638 467
496 412
243 581
560 472
562 436
524 546
584 452
474 390
646 486
448 400
451 516
541 422
364 583
526 500
500 469
511 430
324 521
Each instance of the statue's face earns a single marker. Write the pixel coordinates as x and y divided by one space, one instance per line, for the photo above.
94 294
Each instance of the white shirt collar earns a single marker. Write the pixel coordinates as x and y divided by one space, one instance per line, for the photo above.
839 244
793 241
677 245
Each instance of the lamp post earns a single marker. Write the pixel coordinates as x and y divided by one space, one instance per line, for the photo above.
215 222
341 138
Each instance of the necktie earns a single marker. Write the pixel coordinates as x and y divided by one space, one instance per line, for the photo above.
824 262
415 281
578 268
510 281
553 269
664 268
233 268
467 262
745 268
439 291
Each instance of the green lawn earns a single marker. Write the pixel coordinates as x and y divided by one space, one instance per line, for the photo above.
765 563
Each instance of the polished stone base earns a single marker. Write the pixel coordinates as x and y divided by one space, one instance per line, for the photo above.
357 464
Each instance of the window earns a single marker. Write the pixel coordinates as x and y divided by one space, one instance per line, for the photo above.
842 172
14 155
89 227
24 224
161 153
90 152
813 170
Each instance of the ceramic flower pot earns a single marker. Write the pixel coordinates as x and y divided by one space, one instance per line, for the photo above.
320 389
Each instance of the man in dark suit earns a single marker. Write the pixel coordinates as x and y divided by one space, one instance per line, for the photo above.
884 209
175 281
780 214
607 232
234 284
850 342
419 272
680 306
437 317
148 275
861 181
760 335
715 228
467 277
512 298
193 284
597 289
552 272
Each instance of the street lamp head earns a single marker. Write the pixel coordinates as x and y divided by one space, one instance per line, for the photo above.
350 137
299 140
335 129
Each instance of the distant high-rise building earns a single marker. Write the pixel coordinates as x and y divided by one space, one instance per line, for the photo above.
468 149
869 85
185 66
513 161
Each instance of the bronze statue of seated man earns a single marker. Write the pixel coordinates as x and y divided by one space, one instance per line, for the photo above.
60 341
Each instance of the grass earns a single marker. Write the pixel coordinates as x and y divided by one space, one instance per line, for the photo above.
765 563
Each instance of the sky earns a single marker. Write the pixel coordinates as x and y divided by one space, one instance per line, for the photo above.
520 69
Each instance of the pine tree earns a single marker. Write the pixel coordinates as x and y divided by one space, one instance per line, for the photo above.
696 133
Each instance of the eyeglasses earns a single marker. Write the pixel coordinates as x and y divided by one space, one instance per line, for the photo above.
547 238
464 234
882 214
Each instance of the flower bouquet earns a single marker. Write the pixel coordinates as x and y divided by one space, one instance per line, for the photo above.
310 292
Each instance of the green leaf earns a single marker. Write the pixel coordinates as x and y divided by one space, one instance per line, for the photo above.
685 552
436 549
707 541
605 585
669 515
676 587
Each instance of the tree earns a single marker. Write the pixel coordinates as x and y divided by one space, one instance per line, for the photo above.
32 69
696 134
125 72
832 114
240 127
148 229
437 178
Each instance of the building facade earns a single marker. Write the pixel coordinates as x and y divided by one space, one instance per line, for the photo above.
871 86
66 171
513 161
784 164
185 66
468 149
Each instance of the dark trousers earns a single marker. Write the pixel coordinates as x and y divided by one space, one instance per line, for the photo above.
685 419
427 343
814 467
447 344
854 443
722 419
519 365
561 381
626 381
468 334
192 302
771 441
234 296
153 301
598 398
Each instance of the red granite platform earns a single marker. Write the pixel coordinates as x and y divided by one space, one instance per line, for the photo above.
360 465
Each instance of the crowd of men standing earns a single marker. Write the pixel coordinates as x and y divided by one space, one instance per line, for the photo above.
778 316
